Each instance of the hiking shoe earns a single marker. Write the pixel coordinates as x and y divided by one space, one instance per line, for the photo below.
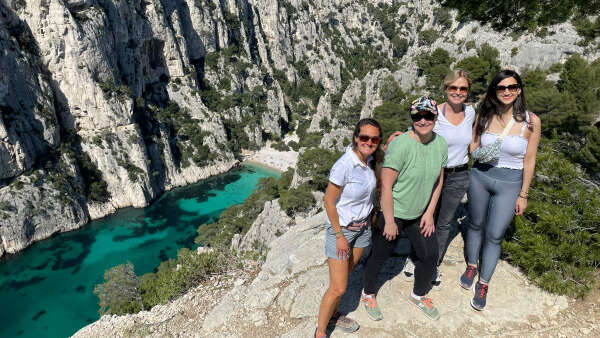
478 301
371 307
343 323
426 305
437 281
408 271
466 280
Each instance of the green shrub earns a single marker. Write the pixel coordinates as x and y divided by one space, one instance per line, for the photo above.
285 180
281 146
294 145
443 17
427 37
587 29
520 15
514 52
175 277
119 293
315 165
556 243
435 65
297 200
482 68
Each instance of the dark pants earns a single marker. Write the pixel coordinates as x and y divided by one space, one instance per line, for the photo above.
426 250
454 188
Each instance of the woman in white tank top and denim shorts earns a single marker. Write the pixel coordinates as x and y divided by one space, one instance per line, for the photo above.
498 190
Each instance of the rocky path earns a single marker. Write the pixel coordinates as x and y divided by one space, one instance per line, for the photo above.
281 298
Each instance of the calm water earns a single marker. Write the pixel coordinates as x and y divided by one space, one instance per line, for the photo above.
47 291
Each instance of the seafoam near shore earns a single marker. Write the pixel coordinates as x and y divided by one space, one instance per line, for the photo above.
280 160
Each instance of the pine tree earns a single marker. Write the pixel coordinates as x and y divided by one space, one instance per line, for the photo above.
119 293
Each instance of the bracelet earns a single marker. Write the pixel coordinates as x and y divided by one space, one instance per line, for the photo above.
523 192
338 233
523 197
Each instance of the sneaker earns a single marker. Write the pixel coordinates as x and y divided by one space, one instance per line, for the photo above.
466 280
426 305
478 301
408 271
371 307
343 323
320 335
437 281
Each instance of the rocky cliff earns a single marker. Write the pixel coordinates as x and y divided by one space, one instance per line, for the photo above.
281 299
105 104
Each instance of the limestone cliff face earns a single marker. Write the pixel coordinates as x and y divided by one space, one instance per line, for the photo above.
109 103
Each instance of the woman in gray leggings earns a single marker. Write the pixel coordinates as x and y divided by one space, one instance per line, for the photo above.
498 190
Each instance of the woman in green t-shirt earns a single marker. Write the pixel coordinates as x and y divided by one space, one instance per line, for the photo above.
411 182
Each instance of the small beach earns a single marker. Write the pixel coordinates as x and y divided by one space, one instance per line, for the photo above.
274 159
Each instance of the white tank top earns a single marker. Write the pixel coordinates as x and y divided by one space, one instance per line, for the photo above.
458 137
513 148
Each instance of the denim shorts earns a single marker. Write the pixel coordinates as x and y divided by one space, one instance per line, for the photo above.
356 239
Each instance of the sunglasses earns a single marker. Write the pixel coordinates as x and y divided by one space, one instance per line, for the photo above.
455 89
429 116
511 88
366 138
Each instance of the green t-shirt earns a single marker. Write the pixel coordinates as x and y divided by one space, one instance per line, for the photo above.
418 167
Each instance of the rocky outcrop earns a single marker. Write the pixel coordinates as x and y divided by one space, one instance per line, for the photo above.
271 223
149 95
283 299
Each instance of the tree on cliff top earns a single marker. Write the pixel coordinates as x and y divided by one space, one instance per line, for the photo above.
119 293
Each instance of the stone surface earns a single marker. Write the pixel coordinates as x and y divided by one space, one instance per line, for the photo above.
284 297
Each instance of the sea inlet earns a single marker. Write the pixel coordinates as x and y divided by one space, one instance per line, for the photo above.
47 290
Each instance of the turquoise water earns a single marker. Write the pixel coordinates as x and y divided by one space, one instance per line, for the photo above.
47 290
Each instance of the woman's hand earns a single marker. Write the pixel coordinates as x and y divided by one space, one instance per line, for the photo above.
520 206
342 248
427 225
391 138
390 231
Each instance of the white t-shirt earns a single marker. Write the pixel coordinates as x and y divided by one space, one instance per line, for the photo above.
458 137
358 184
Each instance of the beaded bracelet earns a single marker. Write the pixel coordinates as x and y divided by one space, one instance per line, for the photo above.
338 233
523 197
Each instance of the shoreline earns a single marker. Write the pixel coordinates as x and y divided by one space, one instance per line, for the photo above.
7 255
273 159
266 158
262 165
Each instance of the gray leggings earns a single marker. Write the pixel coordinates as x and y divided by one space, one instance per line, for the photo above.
493 193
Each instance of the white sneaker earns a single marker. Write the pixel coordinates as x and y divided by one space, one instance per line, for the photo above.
437 282
408 271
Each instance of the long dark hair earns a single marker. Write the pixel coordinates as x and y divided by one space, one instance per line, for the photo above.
490 105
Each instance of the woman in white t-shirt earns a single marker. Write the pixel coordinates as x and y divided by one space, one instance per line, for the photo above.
348 202
455 125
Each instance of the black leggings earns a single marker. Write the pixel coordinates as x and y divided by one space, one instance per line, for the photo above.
426 249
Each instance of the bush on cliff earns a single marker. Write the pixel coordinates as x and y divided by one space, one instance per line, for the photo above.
119 294
315 164
296 200
521 15
557 241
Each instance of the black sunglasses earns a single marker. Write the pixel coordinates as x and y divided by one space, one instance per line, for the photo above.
429 116
511 88
366 138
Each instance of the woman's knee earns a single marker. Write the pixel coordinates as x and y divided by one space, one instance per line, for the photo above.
337 291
